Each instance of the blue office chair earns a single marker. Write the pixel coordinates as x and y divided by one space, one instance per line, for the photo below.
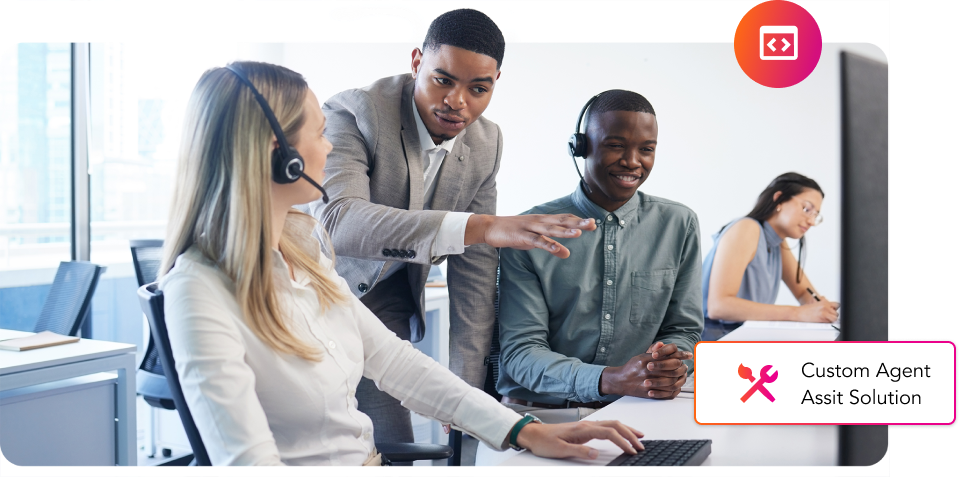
71 294
151 382
151 300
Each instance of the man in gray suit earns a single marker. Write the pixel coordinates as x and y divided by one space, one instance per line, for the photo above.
412 181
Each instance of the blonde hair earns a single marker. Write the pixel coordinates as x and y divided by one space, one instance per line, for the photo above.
222 202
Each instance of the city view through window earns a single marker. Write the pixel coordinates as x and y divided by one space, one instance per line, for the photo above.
138 94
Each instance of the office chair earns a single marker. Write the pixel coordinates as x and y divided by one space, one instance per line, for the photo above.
490 383
151 300
151 382
71 294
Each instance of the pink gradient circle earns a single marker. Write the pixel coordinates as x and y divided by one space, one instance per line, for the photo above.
779 15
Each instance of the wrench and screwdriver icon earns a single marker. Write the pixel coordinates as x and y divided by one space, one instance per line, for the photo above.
746 373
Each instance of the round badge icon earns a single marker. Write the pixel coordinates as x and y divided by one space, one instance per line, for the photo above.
778 43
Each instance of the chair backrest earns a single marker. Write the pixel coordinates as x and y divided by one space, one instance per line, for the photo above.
70 296
151 300
147 255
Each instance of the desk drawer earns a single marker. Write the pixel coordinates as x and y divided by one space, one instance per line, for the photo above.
68 422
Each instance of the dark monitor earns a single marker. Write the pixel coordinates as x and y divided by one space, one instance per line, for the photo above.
863 242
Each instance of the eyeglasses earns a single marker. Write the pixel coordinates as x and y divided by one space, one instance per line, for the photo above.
812 212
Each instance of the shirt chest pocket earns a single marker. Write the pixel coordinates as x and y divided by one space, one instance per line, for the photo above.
650 295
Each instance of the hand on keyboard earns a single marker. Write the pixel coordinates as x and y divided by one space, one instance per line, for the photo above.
566 440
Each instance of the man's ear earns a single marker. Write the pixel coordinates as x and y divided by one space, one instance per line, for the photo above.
416 56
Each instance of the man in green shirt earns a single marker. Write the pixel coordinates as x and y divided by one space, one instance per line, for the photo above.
620 316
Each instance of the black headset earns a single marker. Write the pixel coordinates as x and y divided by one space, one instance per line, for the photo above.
287 163
577 144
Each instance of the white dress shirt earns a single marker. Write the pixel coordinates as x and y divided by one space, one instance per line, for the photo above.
453 228
254 405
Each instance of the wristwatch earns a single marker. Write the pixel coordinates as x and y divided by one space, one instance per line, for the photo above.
526 419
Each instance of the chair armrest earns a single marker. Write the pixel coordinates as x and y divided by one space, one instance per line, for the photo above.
402 452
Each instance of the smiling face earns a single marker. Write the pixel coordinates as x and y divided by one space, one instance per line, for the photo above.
453 88
797 214
621 146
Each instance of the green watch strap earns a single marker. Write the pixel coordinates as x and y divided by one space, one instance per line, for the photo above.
516 429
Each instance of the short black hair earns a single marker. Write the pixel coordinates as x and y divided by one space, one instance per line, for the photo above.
619 100
467 29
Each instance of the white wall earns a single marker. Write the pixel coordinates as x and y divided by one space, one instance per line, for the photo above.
722 139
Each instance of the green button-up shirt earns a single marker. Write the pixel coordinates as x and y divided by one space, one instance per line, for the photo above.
630 283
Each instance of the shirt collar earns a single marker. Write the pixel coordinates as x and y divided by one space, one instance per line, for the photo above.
771 235
590 209
426 142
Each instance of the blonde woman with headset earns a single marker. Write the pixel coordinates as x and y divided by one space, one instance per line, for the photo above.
269 342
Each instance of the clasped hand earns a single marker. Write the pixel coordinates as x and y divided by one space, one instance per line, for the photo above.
659 373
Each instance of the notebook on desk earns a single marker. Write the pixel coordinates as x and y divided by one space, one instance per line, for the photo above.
42 339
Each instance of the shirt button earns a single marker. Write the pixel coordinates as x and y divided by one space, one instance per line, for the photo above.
609 247
609 218
366 435
602 349
623 222
609 282
607 316
332 345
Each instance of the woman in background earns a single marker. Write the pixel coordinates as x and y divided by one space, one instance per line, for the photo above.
268 340
749 258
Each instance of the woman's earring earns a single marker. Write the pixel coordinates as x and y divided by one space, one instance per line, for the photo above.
778 208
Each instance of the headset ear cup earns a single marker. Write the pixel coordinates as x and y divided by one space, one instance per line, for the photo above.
577 145
286 167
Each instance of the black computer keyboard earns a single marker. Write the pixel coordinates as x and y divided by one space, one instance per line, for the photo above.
670 452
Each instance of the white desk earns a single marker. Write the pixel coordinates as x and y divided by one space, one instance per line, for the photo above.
39 368
732 445
782 331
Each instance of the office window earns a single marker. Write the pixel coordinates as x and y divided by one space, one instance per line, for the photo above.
35 205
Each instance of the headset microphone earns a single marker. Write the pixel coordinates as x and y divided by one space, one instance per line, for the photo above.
326 200
286 162
577 144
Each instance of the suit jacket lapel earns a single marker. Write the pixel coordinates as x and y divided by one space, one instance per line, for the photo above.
450 177
411 147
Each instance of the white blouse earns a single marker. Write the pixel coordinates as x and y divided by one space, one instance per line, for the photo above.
254 405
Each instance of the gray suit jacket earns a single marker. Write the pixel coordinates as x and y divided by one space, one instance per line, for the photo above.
374 177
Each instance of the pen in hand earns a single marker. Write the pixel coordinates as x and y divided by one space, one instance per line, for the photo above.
817 297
